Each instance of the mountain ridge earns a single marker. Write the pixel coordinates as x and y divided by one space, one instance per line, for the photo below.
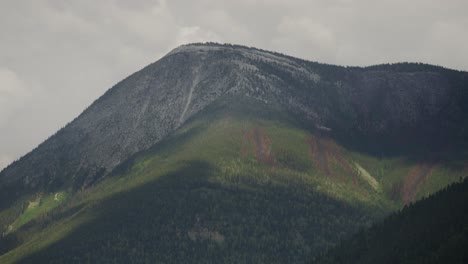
238 69
253 126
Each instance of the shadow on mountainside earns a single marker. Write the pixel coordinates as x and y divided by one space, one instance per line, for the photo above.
185 217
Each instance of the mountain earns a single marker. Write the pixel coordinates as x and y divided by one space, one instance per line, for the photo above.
224 153
434 230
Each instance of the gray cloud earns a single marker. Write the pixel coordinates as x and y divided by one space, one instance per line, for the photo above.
57 57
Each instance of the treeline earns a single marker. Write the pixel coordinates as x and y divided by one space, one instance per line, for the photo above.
434 230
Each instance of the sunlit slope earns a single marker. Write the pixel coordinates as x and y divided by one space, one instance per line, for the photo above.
240 182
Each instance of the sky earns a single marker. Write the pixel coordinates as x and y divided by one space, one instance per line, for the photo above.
57 57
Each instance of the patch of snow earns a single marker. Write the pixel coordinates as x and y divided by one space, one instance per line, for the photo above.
284 62
324 128
189 96
34 204
205 234
194 48
245 66
58 196
253 54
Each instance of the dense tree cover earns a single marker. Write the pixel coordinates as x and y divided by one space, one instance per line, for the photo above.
216 202
434 230
185 218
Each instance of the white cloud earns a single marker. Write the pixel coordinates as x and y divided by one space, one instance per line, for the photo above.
446 36
195 34
11 85
315 40
4 161
13 95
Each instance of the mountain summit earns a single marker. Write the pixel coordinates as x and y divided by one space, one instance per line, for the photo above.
224 148
405 102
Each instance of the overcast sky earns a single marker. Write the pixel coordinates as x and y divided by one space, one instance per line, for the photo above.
57 57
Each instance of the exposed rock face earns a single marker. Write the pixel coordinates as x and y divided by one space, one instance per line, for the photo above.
150 104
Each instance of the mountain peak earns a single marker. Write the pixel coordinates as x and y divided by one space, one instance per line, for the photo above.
208 46
149 105
247 52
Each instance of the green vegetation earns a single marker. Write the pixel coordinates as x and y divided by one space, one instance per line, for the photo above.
246 184
39 206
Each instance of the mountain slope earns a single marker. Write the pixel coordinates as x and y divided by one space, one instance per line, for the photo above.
434 230
216 147
230 186
243 184
371 103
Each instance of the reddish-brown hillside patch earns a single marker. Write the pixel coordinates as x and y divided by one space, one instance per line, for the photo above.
319 156
413 181
349 170
257 140
325 154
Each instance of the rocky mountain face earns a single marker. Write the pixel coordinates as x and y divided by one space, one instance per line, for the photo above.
375 106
